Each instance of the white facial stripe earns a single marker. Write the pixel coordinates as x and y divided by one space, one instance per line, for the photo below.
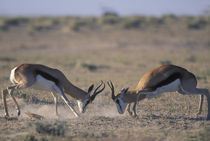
121 105
12 76
82 104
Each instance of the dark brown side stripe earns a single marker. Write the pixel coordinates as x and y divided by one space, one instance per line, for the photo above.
47 76
167 81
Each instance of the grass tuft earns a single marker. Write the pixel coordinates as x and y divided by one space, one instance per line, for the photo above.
55 129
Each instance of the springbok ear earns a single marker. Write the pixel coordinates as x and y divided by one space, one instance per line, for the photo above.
124 90
90 88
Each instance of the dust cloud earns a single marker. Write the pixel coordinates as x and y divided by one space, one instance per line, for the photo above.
48 111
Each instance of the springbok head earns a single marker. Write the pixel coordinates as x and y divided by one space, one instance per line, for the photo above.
90 98
118 99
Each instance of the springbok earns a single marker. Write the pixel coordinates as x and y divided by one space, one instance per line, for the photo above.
41 77
166 78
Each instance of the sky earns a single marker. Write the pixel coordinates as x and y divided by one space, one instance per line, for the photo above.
98 7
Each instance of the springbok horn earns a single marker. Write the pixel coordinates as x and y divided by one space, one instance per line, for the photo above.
112 88
96 92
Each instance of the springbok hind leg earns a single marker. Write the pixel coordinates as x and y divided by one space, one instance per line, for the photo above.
202 92
4 93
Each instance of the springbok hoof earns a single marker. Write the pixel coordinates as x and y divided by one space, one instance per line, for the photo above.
18 112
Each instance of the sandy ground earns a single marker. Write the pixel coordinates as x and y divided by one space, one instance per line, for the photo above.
105 53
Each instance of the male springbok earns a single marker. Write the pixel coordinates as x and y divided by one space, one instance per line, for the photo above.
45 78
166 78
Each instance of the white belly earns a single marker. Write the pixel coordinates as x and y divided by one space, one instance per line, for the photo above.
43 84
172 87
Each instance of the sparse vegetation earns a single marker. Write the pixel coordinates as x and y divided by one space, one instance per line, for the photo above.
129 22
101 48
203 135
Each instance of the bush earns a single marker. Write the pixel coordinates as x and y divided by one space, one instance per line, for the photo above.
55 129
5 23
132 22
3 26
164 62
191 59
203 135
15 21
43 24
154 21
196 23
30 138
90 67
77 23
168 18
110 19
7 59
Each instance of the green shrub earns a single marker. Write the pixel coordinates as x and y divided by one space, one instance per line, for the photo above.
168 18
90 67
132 22
55 129
15 21
41 27
30 137
154 21
203 135
110 13
191 59
110 19
5 23
7 59
44 139
196 22
163 62
3 26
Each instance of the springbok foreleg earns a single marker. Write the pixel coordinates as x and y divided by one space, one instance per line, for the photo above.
128 109
57 89
134 115
200 106
208 102
55 100
10 91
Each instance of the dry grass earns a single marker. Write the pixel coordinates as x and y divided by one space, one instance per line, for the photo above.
106 52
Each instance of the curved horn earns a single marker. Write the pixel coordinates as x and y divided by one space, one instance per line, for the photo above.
112 88
96 92
90 88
